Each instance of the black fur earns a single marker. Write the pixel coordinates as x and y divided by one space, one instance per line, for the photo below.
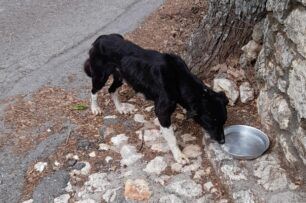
163 78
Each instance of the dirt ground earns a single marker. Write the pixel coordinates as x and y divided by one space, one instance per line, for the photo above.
167 30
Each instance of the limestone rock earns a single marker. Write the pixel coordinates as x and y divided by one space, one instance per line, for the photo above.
244 196
257 34
271 176
278 7
192 151
283 52
157 165
176 167
198 174
119 140
288 196
94 188
139 118
263 106
191 167
207 186
62 199
281 112
110 195
183 186
297 86
129 155
229 88
295 26
246 92
170 199
285 146
137 190
162 179
233 172
282 85
149 135
251 50
299 141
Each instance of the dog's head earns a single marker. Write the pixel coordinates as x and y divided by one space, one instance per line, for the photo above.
211 114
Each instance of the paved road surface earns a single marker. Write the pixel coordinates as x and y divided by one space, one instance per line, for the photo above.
43 41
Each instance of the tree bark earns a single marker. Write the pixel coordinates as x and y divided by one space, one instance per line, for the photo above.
223 31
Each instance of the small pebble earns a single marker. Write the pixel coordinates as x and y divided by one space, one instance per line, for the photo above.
104 147
176 167
148 109
71 162
40 166
79 166
180 116
83 144
139 118
108 159
92 154
110 117
208 186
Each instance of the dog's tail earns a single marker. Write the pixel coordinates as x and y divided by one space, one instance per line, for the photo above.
87 68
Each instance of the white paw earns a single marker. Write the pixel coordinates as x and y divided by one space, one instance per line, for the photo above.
181 158
126 108
96 110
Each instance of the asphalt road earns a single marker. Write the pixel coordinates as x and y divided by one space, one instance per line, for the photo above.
42 43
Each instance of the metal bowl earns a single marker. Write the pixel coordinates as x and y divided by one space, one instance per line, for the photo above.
245 142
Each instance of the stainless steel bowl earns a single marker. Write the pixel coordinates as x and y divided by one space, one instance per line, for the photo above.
245 142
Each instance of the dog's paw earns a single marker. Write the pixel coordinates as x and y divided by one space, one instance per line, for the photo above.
181 158
96 110
126 108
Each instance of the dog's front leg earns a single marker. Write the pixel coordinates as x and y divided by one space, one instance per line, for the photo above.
168 134
123 108
98 81
95 109
163 110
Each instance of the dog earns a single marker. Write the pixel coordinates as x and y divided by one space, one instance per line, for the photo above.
161 77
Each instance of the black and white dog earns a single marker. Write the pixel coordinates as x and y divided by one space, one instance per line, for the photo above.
163 78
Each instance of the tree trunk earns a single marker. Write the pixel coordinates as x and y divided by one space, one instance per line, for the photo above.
223 31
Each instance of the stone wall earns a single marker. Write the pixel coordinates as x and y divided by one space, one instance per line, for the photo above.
281 72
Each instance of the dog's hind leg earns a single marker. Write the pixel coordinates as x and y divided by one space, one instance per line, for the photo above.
113 90
163 111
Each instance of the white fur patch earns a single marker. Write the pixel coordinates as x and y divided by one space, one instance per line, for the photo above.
123 108
168 134
95 109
